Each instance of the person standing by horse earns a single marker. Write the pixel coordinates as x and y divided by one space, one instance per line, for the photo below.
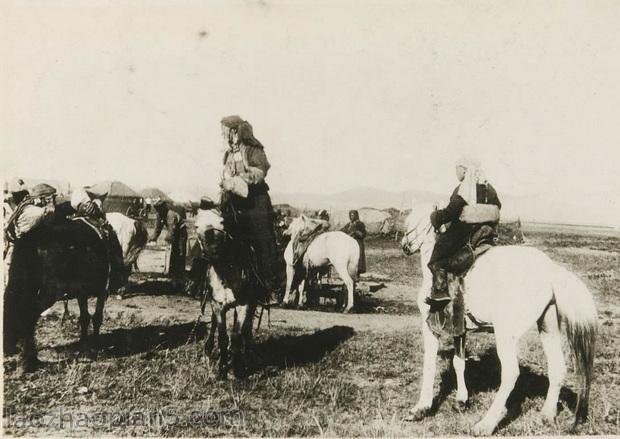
245 202
357 229
174 218
34 209
472 189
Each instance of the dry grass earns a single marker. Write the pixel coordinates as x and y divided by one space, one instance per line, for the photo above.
335 381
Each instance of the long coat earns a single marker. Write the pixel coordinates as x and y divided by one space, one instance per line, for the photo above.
458 233
251 218
357 230
174 221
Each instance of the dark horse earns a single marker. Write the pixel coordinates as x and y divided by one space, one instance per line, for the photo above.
64 258
226 277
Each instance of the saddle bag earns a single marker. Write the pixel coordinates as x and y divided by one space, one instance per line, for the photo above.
479 242
479 213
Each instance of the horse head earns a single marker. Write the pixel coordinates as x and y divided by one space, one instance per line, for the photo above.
210 231
297 226
302 226
418 230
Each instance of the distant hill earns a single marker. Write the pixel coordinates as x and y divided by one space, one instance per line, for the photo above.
533 209
357 198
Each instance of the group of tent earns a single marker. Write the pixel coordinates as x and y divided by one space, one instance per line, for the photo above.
119 196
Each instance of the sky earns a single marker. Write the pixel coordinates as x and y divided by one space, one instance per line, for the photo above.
342 94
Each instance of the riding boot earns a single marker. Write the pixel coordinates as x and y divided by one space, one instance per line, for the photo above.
439 291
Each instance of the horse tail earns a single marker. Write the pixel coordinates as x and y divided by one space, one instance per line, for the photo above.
137 242
576 307
142 234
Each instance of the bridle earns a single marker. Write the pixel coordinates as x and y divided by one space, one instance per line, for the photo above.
425 230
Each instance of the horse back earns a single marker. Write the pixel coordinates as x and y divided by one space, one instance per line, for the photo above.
509 281
333 247
64 256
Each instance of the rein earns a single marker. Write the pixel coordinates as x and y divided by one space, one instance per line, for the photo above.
426 229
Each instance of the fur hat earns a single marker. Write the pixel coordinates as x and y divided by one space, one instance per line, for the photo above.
231 121
42 190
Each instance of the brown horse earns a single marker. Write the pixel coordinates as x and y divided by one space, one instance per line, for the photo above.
64 259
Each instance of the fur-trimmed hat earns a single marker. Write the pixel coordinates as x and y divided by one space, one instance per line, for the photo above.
232 121
42 190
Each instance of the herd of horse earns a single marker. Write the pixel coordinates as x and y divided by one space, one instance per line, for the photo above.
511 287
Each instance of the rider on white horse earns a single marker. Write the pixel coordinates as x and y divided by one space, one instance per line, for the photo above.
473 189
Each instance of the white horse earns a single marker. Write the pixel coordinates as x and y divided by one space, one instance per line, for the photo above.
512 288
335 248
132 235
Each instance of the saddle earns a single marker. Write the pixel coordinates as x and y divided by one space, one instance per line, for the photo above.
451 318
303 241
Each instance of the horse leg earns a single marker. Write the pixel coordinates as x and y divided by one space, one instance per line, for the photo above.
507 353
458 362
246 327
28 357
210 343
239 337
431 346
343 271
549 330
290 274
84 319
98 316
301 291
222 342
242 334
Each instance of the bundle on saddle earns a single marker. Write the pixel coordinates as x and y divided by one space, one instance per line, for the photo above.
450 317
302 240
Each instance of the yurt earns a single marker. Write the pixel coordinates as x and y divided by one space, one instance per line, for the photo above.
119 196
376 221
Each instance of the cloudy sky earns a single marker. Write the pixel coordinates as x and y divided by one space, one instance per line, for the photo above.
343 94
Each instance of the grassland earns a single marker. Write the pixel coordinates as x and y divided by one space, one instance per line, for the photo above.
316 372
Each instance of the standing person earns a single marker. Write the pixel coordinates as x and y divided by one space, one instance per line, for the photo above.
357 229
472 189
245 202
33 210
173 217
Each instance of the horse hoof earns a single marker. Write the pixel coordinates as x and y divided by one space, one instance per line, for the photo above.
416 415
548 420
348 310
483 429
460 406
27 367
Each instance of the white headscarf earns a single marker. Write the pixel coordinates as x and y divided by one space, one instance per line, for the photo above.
473 175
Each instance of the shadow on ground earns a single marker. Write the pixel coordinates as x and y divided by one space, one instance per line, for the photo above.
484 375
296 350
276 351
123 342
